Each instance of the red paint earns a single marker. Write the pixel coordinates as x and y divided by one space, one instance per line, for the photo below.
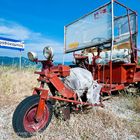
29 122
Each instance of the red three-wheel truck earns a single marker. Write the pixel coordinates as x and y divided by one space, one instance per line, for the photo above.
104 45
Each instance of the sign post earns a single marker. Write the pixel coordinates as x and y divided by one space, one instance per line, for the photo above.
20 60
7 43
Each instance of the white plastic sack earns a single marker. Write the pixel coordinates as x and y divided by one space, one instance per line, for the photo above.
80 80
121 55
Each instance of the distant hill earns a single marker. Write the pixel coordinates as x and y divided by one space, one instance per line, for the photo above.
14 61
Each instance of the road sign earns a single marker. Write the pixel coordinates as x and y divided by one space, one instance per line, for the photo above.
13 44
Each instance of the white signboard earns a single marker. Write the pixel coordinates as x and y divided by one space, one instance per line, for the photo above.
90 30
11 44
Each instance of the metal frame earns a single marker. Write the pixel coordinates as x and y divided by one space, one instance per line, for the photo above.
51 74
128 15
112 7
131 40
109 83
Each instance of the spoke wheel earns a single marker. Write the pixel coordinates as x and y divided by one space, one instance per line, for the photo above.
24 122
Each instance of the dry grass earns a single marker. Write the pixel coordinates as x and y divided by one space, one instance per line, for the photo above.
126 107
132 101
136 104
135 129
95 124
15 84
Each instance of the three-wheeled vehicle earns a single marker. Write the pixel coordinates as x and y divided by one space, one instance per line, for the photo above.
103 42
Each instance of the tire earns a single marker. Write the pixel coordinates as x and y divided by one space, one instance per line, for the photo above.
23 120
139 85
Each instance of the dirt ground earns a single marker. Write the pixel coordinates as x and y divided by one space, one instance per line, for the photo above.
116 121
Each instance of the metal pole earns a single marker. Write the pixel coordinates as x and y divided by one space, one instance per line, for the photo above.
63 62
131 39
112 27
136 38
64 45
2 62
20 60
112 43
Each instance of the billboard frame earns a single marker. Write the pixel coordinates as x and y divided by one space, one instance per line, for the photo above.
133 46
107 41
112 24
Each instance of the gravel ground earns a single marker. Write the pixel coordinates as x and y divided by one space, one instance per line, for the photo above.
98 123
116 121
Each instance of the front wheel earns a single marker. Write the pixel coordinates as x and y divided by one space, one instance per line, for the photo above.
24 122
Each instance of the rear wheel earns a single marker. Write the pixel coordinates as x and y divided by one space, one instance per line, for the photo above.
24 122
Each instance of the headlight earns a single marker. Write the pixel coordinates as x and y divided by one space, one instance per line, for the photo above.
48 52
32 56
98 61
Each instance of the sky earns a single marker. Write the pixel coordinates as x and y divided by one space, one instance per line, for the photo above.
41 22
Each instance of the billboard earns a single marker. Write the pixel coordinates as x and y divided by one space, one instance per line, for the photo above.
90 30
7 43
